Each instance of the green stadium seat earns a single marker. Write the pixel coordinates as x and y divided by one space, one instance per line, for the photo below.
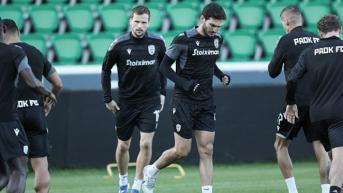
183 15
80 18
242 44
21 2
68 48
37 41
91 2
313 12
250 15
57 2
99 45
156 18
269 41
274 10
169 37
338 9
109 12
13 12
44 18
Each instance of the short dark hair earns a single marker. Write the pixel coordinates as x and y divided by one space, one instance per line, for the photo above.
213 10
293 9
140 10
329 23
11 26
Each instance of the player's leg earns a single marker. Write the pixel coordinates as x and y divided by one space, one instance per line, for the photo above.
180 150
147 123
122 159
18 171
316 133
42 175
182 124
143 159
3 175
336 141
34 123
205 140
125 124
285 133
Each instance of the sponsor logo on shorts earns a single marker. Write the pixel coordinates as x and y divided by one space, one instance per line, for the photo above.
25 149
178 127
16 131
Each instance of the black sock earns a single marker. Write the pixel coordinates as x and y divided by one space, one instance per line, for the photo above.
335 189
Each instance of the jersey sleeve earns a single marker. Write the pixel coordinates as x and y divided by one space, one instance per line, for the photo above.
48 67
177 47
163 79
19 58
275 65
296 73
110 59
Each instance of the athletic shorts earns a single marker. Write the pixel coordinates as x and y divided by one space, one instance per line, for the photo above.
335 132
188 116
143 116
289 131
13 140
33 120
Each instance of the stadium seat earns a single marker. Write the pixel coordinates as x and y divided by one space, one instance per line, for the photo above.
169 37
68 49
109 12
80 18
90 2
313 12
13 12
183 15
37 41
22 2
241 44
57 2
99 45
338 9
250 15
44 18
156 18
274 10
269 41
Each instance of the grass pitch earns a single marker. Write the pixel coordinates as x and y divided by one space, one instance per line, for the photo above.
242 178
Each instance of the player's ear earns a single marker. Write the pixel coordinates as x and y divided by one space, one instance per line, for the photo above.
202 19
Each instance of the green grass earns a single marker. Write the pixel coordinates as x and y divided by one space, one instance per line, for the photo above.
242 178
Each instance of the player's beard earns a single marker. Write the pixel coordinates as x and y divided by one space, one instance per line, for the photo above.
206 31
139 34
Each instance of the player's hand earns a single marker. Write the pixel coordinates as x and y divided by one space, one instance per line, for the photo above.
291 113
226 79
47 107
112 106
162 98
50 99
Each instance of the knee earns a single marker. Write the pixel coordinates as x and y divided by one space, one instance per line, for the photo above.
206 150
145 145
123 147
279 145
182 152
42 184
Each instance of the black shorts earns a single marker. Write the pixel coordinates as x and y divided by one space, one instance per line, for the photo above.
13 141
188 116
289 131
321 131
331 133
143 116
34 122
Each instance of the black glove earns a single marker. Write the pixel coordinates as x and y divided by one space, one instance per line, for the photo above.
192 86
229 79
